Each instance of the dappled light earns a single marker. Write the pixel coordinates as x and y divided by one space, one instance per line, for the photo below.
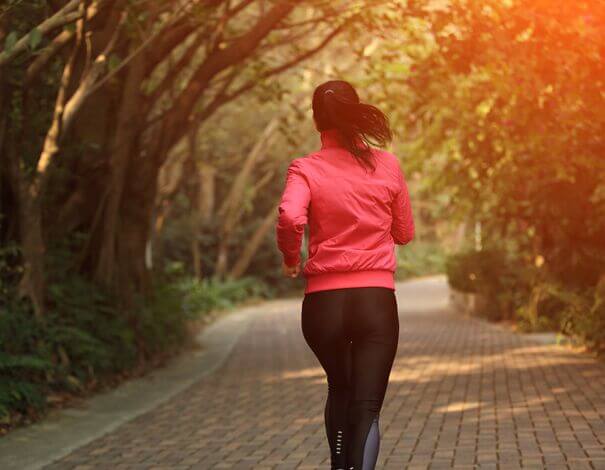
310 373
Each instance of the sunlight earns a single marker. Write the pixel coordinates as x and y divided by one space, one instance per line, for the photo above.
457 406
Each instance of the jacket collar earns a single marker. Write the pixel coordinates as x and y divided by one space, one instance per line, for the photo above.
331 138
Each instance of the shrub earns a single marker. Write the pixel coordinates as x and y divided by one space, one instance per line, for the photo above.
491 273
583 314
420 258
205 295
23 363
544 308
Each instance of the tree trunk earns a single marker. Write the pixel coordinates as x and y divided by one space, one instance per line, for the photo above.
196 256
110 267
169 179
205 207
231 210
251 247
207 199
32 283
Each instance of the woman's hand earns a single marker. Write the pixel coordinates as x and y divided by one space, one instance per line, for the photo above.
290 271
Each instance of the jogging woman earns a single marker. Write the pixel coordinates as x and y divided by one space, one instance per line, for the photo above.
355 200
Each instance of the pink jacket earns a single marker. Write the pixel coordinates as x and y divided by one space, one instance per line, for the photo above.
355 218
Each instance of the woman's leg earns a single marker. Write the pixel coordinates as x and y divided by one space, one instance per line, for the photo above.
324 330
374 327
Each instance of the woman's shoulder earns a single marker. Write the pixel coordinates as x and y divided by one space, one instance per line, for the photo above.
303 166
391 162
312 156
387 156
305 162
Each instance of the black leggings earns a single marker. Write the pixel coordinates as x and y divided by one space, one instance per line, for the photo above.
354 333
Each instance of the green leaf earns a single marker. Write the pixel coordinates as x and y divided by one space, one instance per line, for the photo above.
113 61
10 40
35 38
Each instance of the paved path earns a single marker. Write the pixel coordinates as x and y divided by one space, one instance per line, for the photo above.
463 393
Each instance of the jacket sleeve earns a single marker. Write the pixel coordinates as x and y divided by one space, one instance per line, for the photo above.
402 228
292 214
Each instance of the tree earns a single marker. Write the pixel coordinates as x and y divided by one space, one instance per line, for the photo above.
146 75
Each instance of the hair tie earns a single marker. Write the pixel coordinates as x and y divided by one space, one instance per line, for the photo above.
329 92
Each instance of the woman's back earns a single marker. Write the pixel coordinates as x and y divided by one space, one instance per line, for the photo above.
355 217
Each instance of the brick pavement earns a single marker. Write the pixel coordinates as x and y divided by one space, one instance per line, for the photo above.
462 394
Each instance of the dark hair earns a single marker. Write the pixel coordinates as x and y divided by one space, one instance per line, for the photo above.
336 105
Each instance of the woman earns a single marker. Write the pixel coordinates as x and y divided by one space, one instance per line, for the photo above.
355 199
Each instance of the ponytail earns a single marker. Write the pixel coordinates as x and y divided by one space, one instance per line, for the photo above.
336 105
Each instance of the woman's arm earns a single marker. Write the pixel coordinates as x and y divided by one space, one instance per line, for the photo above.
293 212
402 228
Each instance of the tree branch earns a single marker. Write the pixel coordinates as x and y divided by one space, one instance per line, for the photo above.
276 70
63 38
216 63
175 70
67 14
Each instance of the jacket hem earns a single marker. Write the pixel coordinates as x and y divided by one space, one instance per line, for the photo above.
342 280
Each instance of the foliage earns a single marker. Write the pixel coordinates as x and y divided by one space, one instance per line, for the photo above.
201 296
577 312
83 338
503 117
538 299
420 258
205 295
162 320
588 321
494 275
24 362
474 271
545 308
95 109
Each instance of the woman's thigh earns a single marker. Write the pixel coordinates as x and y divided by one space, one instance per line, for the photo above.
374 329
325 331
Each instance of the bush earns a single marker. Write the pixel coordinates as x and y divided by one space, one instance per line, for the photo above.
476 271
82 337
591 326
581 313
87 332
23 363
161 321
202 296
540 301
491 273
420 258
544 308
